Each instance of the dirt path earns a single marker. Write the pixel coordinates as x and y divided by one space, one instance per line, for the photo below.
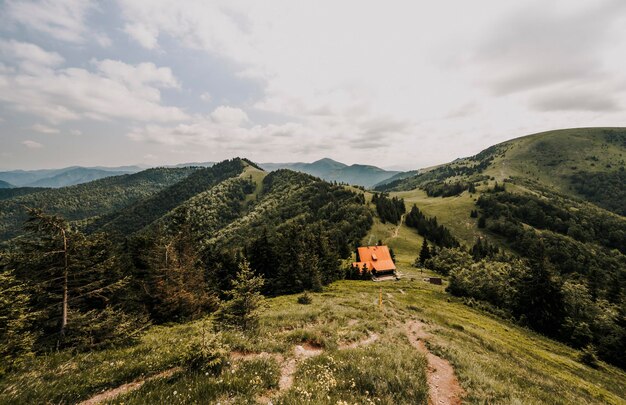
123 389
443 386
395 233
287 369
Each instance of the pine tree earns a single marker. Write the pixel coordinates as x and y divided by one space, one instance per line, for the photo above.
67 275
16 337
242 311
177 284
424 253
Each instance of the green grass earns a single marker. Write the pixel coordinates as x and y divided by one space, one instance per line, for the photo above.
551 157
451 212
257 177
497 362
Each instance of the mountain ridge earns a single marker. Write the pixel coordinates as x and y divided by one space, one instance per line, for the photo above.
332 170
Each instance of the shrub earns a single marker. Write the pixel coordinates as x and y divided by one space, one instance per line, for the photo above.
242 311
305 299
589 357
206 354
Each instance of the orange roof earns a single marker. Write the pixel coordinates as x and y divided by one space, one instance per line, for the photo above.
376 258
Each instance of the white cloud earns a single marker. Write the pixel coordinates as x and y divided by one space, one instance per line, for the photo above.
115 90
103 40
346 69
44 129
32 144
140 33
28 56
76 132
206 97
137 76
229 116
61 19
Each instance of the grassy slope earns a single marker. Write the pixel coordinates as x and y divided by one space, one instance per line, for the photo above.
496 361
549 157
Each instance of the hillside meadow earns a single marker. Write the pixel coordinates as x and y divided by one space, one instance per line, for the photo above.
495 361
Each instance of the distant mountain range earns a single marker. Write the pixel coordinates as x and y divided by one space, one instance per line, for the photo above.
4 184
67 176
331 170
327 169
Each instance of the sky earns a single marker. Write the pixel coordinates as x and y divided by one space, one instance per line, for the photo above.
396 84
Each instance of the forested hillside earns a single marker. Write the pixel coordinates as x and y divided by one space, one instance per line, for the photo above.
87 200
142 213
544 199
177 245
6 193
171 255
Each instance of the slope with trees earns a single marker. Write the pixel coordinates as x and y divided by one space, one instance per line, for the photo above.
87 200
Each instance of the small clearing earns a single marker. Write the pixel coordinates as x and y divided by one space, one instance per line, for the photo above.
443 386
131 386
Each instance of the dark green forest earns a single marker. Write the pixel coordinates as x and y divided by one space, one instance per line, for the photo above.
87 200
570 282
76 287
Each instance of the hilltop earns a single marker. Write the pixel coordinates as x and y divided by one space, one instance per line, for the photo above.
585 163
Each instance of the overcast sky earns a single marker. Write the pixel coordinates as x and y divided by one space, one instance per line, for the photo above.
400 84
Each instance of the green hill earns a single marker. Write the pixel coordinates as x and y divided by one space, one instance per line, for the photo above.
587 163
546 198
324 351
87 200
531 309
134 217
4 184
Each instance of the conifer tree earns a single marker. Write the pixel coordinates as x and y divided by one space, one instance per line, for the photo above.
69 277
424 253
242 310
16 337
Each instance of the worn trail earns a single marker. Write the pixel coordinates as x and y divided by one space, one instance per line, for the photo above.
443 386
123 389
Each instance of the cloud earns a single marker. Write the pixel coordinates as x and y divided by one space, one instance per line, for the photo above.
138 75
114 90
464 110
542 45
28 56
206 97
32 144
577 100
142 34
61 19
229 116
44 129
103 40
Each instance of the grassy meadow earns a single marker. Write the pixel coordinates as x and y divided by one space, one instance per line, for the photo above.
496 362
